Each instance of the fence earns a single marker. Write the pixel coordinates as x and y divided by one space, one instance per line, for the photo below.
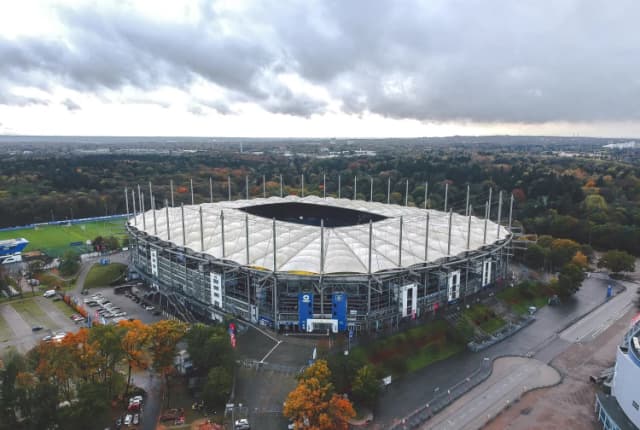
444 398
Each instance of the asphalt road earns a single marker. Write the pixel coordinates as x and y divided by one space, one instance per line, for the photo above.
510 378
540 340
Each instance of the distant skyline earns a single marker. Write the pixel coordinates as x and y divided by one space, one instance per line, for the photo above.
278 68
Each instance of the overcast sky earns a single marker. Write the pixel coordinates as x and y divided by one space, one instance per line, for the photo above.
320 68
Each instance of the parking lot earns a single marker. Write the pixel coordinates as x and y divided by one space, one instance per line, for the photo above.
107 304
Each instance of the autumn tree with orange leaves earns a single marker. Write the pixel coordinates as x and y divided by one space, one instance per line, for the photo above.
133 345
314 405
163 339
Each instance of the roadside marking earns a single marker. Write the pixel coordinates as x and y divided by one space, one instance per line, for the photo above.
270 351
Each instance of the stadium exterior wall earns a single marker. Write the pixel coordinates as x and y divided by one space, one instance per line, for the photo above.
211 288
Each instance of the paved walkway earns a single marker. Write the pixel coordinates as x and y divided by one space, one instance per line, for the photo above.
511 377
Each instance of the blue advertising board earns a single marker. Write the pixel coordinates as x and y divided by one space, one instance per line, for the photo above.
339 310
305 309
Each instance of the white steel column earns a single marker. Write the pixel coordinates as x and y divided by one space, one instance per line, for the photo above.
201 230
446 195
486 217
466 206
355 188
426 239
126 201
426 194
339 186
264 187
210 189
469 228
510 212
166 216
389 190
171 190
133 200
324 185
184 232
246 235
246 186
281 188
302 185
144 217
499 214
224 253
400 244
371 189
449 236
406 194
229 187
193 202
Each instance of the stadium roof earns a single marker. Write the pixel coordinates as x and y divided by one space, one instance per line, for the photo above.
298 240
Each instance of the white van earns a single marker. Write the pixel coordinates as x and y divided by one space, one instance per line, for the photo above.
49 293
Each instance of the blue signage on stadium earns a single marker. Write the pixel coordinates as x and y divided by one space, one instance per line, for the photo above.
339 310
305 309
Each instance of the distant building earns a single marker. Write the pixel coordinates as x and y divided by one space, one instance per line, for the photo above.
621 409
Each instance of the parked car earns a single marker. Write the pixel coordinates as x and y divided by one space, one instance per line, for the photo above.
149 308
127 419
242 424
136 419
36 328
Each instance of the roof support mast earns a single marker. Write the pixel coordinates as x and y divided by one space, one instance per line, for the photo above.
201 230
281 189
510 212
153 208
224 253
400 243
126 201
193 201
389 190
246 186
184 231
210 189
339 186
133 200
370 188
302 185
246 236
406 194
355 188
321 246
324 185
499 214
229 187
426 194
426 238
486 217
466 207
144 217
166 216
446 195
264 187
171 191
469 228
449 235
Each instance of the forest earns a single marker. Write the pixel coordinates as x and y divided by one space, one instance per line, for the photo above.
592 201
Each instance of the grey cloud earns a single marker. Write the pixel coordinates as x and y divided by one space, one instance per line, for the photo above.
498 60
71 105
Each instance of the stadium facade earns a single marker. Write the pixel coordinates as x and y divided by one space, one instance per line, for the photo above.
314 263
621 409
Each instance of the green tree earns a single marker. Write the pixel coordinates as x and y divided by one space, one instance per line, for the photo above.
366 386
535 256
70 263
209 346
164 337
218 386
617 261
569 280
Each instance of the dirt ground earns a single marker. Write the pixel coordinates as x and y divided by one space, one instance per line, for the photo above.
569 405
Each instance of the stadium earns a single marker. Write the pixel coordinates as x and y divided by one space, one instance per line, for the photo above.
313 263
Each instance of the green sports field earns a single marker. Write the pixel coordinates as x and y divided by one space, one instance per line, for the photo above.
56 239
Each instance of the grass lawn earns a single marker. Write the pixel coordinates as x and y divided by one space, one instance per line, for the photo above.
103 276
33 313
525 294
412 349
55 239
484 317
48 280
5 331
64 308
